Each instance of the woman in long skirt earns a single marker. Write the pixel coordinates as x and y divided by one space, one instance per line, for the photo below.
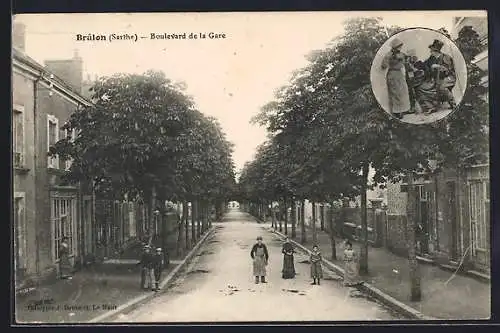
64 262
288 271
351 277
316 270
397 86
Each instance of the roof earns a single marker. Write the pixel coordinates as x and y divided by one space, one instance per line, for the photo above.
33 64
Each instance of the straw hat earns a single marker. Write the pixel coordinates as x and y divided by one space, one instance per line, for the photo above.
395 43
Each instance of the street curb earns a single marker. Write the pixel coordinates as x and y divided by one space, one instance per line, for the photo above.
130 305
368 288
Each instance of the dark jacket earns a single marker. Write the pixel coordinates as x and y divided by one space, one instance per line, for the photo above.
147 260
158 262
444 60
255 247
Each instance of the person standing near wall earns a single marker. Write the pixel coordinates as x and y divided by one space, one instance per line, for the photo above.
64 262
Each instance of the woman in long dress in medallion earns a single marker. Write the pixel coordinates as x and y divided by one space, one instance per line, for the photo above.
397 86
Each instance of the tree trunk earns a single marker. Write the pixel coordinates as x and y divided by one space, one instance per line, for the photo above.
280 219
293 216
198 220
322 217
416 292
193 222
363 261
285 216
218 212
151 203
303 237
204 220
210 205
315 236
185 218
332 237
273 220
180 235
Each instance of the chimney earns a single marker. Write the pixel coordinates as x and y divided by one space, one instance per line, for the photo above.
71 71
19 36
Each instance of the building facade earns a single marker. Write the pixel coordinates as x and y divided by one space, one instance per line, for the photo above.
44 208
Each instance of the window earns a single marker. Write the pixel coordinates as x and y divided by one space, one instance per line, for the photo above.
20 231
63 215
18 136
70 134
52 138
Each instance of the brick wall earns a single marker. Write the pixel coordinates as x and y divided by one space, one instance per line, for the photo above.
396 234
396 200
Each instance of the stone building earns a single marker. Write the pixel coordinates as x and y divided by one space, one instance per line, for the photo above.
44 209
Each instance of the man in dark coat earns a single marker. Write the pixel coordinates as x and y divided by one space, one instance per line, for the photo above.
442 68
147 268
158 264
260 258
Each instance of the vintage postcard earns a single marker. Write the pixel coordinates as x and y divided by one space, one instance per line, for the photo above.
250 167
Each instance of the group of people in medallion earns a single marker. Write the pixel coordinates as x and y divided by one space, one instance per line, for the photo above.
415 85
260 257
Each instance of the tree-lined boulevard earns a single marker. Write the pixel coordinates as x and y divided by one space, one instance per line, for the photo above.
144 139
327 130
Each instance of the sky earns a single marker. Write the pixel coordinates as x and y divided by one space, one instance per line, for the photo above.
229 78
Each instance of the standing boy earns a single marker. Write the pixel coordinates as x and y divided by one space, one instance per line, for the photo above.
158 265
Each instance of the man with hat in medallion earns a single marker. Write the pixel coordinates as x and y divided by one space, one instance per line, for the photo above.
442 68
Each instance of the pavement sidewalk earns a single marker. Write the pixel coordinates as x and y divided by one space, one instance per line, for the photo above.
91 292
445 295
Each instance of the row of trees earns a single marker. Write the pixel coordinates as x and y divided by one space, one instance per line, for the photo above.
143 138
326 131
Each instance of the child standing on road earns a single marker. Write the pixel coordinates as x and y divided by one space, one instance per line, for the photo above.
316 270
158 267
351 277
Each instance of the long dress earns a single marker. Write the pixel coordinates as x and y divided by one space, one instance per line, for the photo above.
64 262
316 270
260 257
397 87
288 271
445 76
351 277
423 85
147 272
